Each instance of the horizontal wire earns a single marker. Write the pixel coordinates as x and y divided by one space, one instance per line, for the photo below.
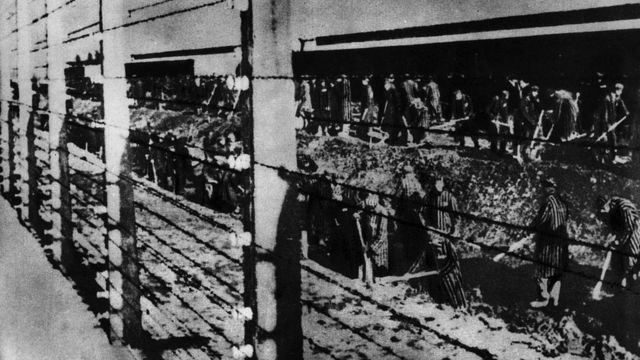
166 244
462 214
352 329
158 194
423 203
325 350
38 19
454 238
152 5
186 232
484 135
149 292
169 317
166 150
410 320
137 22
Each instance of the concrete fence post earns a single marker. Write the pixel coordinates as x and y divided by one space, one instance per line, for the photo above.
277 266
124 294
25 73
62 228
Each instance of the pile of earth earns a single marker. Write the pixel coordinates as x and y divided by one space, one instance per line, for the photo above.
498 189
183 124
493 190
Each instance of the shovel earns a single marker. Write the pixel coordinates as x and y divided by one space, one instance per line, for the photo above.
595 294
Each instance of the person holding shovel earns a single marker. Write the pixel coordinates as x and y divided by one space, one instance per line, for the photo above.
611 113
551 248
374 236
622 218
441 215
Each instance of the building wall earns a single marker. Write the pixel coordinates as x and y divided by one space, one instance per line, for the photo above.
312 18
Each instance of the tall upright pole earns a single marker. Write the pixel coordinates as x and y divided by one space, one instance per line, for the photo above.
277 266
25 73
5 96
62 228
125 317
249 256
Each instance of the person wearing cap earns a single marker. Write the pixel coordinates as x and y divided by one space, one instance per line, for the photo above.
345 249
551 248
442 208
368 108
612 109
374 224
433 99
305 107
527 120
408 240
462 111
441 214
392 113
498 111
622 220
411 104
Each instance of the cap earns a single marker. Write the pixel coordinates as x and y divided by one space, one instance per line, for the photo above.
535 88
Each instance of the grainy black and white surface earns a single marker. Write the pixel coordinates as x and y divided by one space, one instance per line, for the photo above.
250 179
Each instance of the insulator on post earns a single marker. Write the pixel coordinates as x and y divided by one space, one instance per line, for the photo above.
242 352
240 240
243 313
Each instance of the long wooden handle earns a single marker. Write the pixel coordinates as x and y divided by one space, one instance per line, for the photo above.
611 128
368 266
512 248
595 294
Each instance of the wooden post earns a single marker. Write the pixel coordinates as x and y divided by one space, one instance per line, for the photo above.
62 232
24 85
124 295
276 236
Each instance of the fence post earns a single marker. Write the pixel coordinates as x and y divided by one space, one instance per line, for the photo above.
24 85
277 267
5 96
124 293
62 233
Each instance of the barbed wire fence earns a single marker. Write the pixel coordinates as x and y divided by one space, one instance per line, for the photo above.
159 284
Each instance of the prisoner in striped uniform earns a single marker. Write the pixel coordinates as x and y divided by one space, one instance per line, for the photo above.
552 249
375 234
442 208
441 214
623 219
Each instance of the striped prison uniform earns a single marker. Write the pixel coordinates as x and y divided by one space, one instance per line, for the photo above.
441 209
624 220
438 215
552 249
375 234
449 273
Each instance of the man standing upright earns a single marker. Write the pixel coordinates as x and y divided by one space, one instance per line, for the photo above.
392 114
441 254
552 249
612 109
623 220
527 121
462 111
498 111
433 99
